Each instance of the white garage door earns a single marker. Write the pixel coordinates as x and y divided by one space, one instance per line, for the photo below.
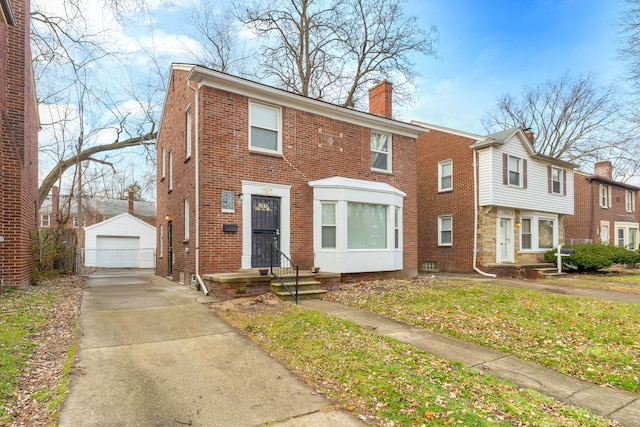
117 251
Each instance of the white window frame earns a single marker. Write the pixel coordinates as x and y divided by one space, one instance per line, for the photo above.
605 196
519 171
188 134
325 225
161 238
604 231
529 220
170 170
388 153
441 175
164 164
278 128
442 229
560 182
45 221
186 218
397 232
627 228
630 201
535 219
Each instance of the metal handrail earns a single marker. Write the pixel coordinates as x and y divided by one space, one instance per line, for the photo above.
284 271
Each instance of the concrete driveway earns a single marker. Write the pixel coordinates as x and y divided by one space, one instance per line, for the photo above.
151 354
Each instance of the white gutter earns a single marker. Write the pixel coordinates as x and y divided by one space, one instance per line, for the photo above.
475 216
197 180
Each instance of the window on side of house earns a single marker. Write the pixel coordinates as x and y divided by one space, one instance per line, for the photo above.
380 151
556 180
445 230
164 163
366 226
161 238
633 239
45 221
264 128
604 232
515 171
630 201
186 218
526 236
604 196
328 225
187 153
445 175
170 170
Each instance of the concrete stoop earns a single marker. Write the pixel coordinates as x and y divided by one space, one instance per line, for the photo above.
308 288
548 272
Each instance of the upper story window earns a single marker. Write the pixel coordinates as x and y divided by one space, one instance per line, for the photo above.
186 218
556 180
164 162
630 201
75 222
187 141
264 129
45 220
605 196
445 175
380 151
170 170
445 230
514 171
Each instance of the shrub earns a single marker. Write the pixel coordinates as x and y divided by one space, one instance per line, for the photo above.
593 257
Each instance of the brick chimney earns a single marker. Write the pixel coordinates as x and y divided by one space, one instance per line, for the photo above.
603 169
380 99
530 135
55 205
130 198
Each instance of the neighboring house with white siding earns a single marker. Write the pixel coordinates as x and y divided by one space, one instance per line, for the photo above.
122 241
489 204
522 198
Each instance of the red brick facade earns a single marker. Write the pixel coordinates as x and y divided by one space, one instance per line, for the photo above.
594 216
433 147
313 147
18 149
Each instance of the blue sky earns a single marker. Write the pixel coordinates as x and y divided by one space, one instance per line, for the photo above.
488 48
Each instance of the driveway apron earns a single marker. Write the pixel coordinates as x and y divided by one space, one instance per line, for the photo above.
150 354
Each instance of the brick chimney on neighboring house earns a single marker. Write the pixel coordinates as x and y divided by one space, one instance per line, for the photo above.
130 198
604 169
380 99
530 135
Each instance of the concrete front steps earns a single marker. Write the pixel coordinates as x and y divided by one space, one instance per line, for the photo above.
548 272
308 287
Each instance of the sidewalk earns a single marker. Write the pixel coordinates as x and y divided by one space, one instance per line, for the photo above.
618 405
150 354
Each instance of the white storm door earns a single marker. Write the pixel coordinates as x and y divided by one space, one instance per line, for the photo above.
504 251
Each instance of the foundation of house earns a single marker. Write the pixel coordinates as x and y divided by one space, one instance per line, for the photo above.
517 270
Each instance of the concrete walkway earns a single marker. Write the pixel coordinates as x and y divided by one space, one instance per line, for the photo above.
150 354
618 405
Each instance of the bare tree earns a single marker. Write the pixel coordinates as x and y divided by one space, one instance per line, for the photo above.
334 49
88 112
629 51
573 118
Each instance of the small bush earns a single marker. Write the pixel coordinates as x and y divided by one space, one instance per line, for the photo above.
593 257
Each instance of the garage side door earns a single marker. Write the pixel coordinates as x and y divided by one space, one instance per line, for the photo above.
117 251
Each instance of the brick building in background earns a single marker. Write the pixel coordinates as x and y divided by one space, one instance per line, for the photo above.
18 145
605 210
241 163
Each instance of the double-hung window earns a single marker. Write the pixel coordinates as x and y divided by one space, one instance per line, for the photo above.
170 170
380 151
45 220
187 153
264 129
445 230
605 196
630 201
538 233
445 175
186 218
515 171
328 225
526 237
396 229
556 180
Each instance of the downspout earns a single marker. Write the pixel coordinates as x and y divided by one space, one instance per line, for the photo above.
197 182
475 217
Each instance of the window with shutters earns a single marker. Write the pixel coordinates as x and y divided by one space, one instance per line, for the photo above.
514 171
605 196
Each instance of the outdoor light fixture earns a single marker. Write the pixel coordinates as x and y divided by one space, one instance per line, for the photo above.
517 224
168 217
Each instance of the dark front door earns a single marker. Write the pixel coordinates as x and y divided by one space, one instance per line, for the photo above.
170 248
265 227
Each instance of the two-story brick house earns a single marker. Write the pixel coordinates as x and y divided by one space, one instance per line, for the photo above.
18 145
241 164
489 204
605 210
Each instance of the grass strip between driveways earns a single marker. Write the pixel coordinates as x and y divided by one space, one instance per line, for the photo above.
390 383
21 317
594 340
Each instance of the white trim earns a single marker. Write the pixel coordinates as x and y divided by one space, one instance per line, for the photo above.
278 130
442 163
440 230
188 133
250 188
388 153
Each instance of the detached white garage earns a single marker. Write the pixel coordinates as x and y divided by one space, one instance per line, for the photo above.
123 241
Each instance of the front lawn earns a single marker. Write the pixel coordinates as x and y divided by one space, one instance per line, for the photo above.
389 383
598 341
